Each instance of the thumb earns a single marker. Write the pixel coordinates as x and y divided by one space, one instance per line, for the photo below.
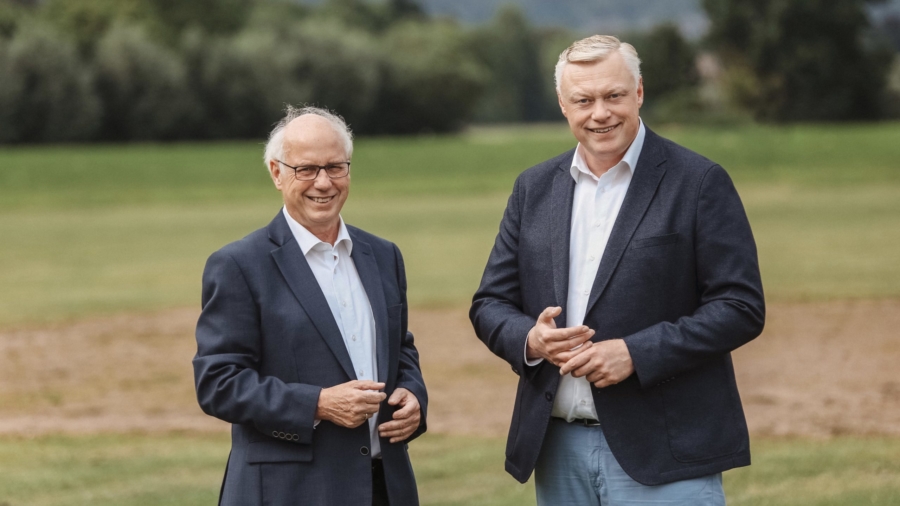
397 396
547 315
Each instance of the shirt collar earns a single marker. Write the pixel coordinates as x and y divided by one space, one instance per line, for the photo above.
307 240
630 159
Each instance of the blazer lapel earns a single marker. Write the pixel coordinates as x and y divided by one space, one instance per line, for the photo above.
302 282
644 182
370 276
563 193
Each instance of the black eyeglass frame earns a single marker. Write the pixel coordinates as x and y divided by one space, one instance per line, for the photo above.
318 169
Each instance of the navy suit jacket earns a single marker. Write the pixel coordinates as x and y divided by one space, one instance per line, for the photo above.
679 281
267 343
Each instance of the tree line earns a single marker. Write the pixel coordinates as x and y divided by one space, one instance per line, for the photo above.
123 70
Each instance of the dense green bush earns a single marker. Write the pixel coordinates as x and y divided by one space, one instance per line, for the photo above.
430 82
143 88
45 90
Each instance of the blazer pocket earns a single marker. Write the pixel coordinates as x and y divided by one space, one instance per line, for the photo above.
658 240
277 451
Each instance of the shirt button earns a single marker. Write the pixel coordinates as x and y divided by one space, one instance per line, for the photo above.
583 402
598 223
586 292
361 374
353 337
591 258
344 303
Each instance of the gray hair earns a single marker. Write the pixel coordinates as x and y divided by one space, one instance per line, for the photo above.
596 48
275 145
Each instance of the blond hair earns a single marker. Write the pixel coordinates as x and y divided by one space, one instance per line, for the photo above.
596 48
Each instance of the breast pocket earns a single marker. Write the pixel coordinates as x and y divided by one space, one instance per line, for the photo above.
657 240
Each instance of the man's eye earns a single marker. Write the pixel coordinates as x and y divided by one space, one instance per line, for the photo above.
306 170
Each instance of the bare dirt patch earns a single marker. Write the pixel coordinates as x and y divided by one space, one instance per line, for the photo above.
819 369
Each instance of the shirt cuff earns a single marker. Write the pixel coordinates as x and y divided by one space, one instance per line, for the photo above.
530 362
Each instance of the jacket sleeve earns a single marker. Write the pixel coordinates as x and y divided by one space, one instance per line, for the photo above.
731 309
229 386
496 311
409 373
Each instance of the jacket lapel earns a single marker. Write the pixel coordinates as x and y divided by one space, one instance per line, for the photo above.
644 182
370 276
562 195
302 282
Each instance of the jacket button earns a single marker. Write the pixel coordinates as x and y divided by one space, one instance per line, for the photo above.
295 437
274 433
364 450
549 396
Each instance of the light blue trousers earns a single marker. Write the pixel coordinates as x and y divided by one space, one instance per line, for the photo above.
577 468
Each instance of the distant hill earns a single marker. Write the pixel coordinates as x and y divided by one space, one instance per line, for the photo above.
595 16
583 15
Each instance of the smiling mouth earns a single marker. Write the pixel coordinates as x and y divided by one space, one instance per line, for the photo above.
321 200
602 130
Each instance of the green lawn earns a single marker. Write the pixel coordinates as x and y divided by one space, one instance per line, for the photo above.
186 469
100 229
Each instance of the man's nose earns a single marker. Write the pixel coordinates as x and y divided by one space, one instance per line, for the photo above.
599 112
322 180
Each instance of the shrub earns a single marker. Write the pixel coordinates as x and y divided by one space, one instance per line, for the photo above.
45 91
143 87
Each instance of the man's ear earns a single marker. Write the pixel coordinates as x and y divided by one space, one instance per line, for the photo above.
640 92
275 173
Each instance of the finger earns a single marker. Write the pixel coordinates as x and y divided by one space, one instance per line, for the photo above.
548 314
577 361
398 396
564 356
391 428
406 411
372 397
569 344
398 435
566 333
585 370
367 385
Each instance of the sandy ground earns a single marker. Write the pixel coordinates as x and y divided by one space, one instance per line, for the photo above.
820 369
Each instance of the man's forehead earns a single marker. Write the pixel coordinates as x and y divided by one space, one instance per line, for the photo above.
589 76
313 135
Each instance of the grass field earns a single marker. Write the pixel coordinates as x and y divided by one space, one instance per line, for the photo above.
93 230
185 469
103 229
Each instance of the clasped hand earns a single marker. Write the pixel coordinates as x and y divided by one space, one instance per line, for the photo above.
351 404
603 364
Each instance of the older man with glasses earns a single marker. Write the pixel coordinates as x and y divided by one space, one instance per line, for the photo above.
302 344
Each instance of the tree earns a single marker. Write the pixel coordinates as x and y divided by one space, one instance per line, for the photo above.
667 62
45 91
800 60
511 50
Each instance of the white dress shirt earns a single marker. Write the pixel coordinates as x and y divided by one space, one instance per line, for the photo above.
595 207
339 280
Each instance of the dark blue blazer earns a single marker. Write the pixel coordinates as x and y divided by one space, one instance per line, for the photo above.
267 343
679 281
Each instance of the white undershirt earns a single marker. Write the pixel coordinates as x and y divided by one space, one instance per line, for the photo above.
339 280
595 207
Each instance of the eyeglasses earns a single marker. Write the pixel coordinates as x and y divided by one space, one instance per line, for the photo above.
310 172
